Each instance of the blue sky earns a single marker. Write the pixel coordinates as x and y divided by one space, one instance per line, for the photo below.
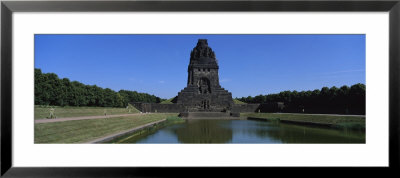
249 64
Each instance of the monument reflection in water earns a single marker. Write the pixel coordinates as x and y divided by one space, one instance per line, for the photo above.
244 131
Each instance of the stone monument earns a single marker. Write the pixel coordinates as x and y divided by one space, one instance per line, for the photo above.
203 92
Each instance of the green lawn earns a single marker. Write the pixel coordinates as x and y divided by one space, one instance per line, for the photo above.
356 122
85 130
42 112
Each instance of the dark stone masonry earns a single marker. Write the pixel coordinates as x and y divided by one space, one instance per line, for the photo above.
203 92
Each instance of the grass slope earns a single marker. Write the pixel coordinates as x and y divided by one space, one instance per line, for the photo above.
85 130
236 101
41 112
349 122
169 101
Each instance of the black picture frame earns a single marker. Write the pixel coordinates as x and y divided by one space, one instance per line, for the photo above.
8 7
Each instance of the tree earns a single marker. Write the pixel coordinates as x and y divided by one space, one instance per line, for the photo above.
51 90
343 100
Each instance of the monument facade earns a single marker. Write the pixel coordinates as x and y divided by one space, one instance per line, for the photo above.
203 96
203 92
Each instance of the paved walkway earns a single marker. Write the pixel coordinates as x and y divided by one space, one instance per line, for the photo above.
113 136
83 118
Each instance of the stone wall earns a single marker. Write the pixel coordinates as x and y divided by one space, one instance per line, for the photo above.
263 107
156 107
272 107
236 108
174 108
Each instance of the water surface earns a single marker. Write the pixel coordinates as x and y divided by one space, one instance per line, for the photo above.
244 131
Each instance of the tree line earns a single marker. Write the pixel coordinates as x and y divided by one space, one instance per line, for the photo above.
51 90
343 100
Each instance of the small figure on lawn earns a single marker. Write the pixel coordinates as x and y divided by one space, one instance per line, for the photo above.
51 114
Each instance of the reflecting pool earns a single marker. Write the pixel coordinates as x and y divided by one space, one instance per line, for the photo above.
243 131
